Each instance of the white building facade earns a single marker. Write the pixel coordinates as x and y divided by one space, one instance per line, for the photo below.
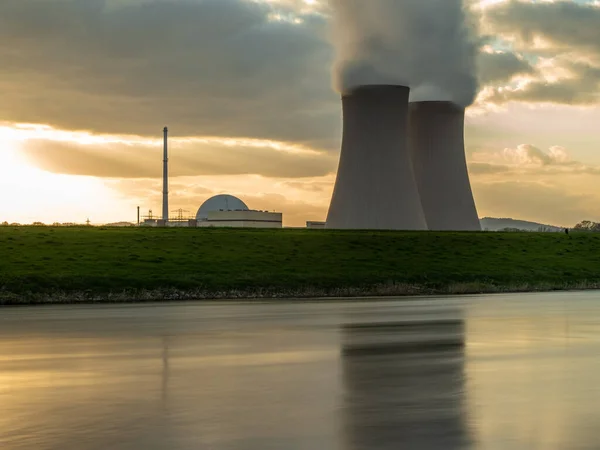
243 219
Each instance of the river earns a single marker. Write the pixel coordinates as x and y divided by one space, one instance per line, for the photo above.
479 372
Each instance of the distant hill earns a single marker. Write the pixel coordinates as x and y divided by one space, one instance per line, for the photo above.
493 224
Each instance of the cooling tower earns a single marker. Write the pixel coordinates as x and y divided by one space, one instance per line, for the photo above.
437 146
375 186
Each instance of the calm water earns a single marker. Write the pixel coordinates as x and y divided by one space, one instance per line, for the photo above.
505 372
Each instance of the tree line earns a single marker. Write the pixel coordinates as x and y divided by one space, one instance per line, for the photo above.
588 225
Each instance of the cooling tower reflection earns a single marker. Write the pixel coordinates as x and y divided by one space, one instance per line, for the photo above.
491 372
404 385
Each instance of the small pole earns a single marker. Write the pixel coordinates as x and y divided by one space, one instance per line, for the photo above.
138 214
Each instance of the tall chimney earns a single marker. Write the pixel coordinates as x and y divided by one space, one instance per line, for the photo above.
375 186
165 208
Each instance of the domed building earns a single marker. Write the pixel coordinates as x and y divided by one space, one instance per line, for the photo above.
220 203
230 211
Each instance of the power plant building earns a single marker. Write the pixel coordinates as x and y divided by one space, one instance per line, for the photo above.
220 203
311 224
230 211
243 219
376 186
437 146
217 211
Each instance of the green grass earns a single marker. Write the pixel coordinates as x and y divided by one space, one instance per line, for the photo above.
49 264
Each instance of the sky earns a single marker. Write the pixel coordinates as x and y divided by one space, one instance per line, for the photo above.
245 87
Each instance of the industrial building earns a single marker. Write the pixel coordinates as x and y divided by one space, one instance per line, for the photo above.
437 147
217 211
230 211
316 225
220 203
220 211
375 186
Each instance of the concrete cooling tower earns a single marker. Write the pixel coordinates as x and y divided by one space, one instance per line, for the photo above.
375 186
437 147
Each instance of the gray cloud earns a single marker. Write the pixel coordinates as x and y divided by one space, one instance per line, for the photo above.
582 89
571 33
118 160
227 67
529 160
566 24
500 67
206 67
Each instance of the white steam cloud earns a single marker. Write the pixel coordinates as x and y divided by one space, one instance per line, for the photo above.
427 45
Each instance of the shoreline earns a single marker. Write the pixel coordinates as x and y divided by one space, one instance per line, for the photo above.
272 294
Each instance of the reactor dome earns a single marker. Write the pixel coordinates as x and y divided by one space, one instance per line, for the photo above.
220 203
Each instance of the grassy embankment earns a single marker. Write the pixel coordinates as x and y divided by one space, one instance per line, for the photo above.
39 265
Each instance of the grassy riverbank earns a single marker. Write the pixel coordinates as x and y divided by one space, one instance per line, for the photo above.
39 265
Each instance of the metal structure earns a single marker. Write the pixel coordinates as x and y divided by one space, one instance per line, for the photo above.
180 216
437 147
165 206
375 186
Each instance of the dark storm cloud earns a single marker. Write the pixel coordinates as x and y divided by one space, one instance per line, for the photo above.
208 67
119 160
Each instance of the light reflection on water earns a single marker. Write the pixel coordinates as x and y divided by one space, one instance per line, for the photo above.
516 372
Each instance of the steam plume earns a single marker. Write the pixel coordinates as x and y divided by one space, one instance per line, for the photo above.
426 45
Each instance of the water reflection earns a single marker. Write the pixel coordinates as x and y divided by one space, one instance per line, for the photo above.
236 388
165 371
491 373
404 385
533 374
